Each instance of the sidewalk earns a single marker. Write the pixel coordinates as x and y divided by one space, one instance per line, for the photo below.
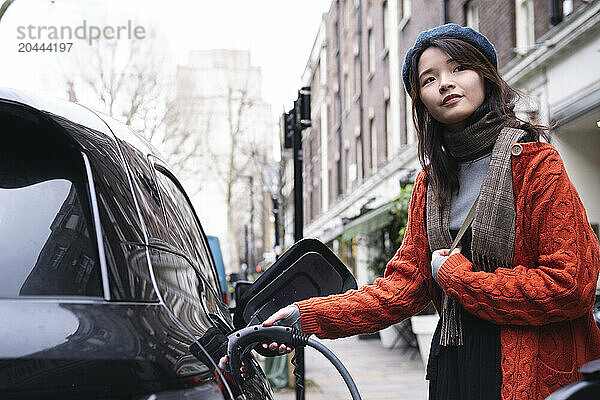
379 373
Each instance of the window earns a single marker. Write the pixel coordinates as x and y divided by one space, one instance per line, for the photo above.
348 14
356 75
187 234
404 11
316 78
46 223
337 33
351 173
567 7
72 222
387 127
325 171
176 278
373 139
323 66
84 269
385 23
472 14
411 133
360 168
525 25
332 194
371 51
339 169
347 93
57 257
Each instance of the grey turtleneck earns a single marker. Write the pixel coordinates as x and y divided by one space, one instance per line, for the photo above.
470 177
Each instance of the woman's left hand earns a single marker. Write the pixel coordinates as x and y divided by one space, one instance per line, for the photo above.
437 259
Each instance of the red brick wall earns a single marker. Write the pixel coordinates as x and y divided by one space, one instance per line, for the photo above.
425 16
373 86
334 114
497 22
456 11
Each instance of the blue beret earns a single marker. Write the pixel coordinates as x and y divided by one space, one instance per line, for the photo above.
469 35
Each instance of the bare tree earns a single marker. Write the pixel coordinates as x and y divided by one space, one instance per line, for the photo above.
239 155
126 81
197 132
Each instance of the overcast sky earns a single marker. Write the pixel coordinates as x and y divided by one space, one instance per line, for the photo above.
279 34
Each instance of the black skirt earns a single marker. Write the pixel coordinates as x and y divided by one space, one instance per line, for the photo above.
471 371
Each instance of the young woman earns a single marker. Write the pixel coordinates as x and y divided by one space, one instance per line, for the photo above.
515 299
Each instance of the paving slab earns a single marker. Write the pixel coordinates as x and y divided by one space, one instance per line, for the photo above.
379 373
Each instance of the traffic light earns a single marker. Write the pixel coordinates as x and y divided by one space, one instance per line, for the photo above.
275 201
304 107
289 122
298 118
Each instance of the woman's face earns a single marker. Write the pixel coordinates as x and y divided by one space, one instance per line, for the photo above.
449 91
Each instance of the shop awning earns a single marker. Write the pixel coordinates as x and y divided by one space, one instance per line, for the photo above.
369 222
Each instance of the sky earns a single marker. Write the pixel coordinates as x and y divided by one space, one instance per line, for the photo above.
279 35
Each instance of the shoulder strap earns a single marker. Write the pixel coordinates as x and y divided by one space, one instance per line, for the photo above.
465 225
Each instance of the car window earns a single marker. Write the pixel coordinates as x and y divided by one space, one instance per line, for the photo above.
122 233
181 216
48 245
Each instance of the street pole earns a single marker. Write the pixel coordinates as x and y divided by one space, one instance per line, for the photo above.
298 203
277 244
250 230
298 235
296 120
251 261
247 255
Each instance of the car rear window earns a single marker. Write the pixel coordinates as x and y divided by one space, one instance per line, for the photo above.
47 242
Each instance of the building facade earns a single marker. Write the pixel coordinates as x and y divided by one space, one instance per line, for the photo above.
232 133
361 147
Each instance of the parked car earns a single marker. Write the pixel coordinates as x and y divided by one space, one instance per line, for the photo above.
215 249
109 289
107 276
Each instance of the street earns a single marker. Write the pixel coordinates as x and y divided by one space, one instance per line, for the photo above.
379 373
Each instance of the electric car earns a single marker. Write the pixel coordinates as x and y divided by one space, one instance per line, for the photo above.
107 275
109 289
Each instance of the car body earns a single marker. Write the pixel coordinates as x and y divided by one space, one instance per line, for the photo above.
107 274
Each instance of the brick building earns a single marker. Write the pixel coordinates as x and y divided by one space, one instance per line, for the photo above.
361 145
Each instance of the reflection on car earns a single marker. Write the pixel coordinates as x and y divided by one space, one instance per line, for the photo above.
107 274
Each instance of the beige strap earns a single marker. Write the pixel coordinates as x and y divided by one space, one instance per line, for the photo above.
465 225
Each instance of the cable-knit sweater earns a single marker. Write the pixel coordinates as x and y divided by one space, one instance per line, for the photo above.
543 304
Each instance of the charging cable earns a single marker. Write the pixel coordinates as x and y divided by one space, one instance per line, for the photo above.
241 342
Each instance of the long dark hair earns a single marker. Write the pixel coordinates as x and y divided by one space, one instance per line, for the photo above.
442 169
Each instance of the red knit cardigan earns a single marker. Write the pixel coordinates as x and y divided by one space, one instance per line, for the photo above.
543 304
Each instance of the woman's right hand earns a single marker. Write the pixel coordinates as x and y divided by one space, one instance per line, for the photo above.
286 316
281 315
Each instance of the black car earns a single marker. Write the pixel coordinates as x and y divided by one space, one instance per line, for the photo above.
107 277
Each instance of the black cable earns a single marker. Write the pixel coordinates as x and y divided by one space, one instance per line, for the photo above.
338 365
299 376
242 341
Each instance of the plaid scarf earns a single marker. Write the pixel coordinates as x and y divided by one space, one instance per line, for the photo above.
493 228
